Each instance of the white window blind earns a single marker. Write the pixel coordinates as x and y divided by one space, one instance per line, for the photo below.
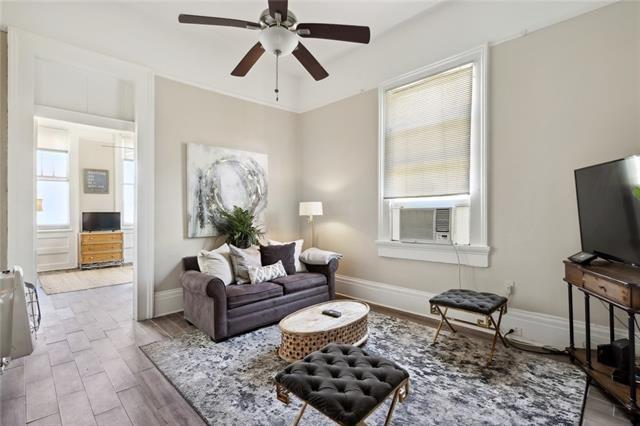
427 136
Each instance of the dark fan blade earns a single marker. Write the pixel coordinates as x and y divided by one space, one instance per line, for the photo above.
352 33
310 63
223 22
248 61
279 6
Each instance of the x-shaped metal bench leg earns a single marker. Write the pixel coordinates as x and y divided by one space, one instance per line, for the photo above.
443 320
496 326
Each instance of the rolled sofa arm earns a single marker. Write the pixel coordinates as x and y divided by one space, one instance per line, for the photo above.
329 271
206 285
205 303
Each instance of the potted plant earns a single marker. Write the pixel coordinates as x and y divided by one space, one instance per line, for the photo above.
239 227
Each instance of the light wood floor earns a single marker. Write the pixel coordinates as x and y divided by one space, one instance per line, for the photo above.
87 368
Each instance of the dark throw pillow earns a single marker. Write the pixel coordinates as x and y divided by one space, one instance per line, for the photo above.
285 253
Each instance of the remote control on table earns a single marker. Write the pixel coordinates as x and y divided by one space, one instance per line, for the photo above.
332 313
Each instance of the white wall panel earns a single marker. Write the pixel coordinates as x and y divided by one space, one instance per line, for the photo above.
109 97
129 245
60 86
55 251
76 89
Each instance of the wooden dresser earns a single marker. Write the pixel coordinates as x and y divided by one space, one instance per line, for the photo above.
101 249
618 286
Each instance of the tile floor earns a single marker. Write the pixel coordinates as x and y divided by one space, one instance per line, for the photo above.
87 369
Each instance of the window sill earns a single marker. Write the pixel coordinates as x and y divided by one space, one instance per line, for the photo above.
53 230
477 256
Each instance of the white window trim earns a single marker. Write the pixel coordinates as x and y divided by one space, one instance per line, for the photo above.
477 252
119 179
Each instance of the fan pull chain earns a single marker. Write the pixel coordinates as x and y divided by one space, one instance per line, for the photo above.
277 91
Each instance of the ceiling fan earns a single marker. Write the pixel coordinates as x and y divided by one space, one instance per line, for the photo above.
279 31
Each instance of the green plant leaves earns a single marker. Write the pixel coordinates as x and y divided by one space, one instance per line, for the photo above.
636 192
239 227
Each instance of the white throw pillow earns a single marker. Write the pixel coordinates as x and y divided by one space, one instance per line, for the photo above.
296 253
241 259
260 274
217 263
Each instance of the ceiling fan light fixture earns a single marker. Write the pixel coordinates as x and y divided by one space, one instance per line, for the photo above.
278 40
279 34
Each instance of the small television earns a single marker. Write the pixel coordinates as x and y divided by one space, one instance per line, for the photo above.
100 221
609 209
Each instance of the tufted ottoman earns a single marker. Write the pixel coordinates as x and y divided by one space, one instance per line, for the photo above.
344 383
471 301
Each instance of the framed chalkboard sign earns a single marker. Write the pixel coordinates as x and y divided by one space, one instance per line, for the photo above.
96 181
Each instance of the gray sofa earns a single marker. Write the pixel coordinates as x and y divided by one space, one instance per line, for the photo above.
224 311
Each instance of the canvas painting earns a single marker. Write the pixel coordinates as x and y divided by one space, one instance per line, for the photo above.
219 179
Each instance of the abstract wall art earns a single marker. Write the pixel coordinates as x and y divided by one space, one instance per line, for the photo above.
219 179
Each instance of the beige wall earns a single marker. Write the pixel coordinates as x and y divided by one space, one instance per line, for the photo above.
188 114
560 98
95 155
3 150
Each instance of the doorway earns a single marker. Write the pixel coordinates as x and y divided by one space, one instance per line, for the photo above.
51 79
85 206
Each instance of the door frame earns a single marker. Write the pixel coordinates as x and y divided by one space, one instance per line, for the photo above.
23 50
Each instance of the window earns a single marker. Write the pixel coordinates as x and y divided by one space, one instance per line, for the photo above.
432 156
427 136
52 205
128 183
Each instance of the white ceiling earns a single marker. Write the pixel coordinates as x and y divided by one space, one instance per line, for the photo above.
379 15
406 35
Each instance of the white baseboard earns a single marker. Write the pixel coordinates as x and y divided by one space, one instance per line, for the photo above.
167 302
537 328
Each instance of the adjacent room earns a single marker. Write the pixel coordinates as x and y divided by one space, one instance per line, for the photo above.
272 212
85 179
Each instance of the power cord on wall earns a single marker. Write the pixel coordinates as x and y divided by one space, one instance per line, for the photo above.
455 248
540 350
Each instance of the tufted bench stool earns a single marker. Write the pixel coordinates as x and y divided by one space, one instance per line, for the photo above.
344 383
471 301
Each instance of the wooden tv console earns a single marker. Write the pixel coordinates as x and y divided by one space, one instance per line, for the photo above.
99 249
618 285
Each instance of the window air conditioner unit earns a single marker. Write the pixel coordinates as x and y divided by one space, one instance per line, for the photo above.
421 225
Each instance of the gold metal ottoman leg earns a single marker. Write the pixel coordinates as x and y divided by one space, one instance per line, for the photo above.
387 421
299 416
443 319
495 336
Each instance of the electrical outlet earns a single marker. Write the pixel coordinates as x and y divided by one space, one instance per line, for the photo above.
509 286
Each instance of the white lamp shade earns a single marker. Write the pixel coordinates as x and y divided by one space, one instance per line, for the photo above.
311 208
278 40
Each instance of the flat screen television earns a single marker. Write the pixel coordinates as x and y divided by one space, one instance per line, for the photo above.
609 209
100 221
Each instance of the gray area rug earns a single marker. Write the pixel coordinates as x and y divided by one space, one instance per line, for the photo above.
231 382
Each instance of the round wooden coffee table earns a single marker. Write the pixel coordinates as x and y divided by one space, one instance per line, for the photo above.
308 329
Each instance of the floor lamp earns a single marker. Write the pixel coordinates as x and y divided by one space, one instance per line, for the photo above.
311 209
